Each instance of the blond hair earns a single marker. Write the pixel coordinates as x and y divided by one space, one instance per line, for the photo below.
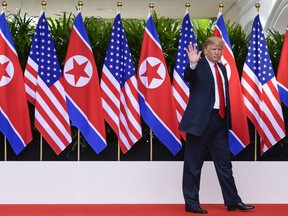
213 41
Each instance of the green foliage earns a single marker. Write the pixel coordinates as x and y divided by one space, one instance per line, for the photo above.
22 30
60 30
202 29
168 31
239 42
238 39
99 31
274 43
134 30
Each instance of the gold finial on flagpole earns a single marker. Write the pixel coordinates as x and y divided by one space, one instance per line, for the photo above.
221 6
257 5
4 5
44 4
151 7
119 5
80 5
187 5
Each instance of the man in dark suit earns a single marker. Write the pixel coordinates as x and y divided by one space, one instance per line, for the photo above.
206 121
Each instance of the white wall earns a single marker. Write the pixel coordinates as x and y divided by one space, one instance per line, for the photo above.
132 182
273 14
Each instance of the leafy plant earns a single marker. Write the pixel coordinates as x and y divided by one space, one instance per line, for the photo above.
22 30
60 30
274 43
99 31
239 42
168 31
134 30
203 29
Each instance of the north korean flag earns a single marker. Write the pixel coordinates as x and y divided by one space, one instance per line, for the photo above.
83 88
14 114
156 100
239 136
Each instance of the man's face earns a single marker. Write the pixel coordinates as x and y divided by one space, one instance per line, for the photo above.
213 52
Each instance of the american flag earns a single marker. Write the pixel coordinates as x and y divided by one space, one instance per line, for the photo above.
44 89
14 113
282 75
259 87
239 136
120 90
180 88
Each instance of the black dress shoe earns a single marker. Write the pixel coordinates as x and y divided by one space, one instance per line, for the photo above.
240 206
198 210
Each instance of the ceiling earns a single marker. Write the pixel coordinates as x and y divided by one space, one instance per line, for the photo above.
130 8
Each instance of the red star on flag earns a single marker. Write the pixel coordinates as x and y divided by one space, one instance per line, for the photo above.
3 71
153 74
78 71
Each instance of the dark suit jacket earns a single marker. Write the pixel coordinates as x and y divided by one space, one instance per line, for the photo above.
202 98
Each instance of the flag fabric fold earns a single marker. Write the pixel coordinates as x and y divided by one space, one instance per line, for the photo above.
82 87
44 89
180 88
282 74
156 99
119 89
259 87
14 113
239 136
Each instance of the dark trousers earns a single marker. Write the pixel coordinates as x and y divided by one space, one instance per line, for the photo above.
215 138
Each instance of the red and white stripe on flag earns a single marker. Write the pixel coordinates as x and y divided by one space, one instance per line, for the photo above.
51 117
44 89
259 87
180 88
120 90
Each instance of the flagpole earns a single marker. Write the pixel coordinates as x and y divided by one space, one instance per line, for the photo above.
119 5
187 6
41 147
119 155
221 6
80 5
43 6
78 145
151 144
257 5
5 148
151 6
4 5
256 143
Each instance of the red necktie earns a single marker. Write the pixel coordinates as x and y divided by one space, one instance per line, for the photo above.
220 92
